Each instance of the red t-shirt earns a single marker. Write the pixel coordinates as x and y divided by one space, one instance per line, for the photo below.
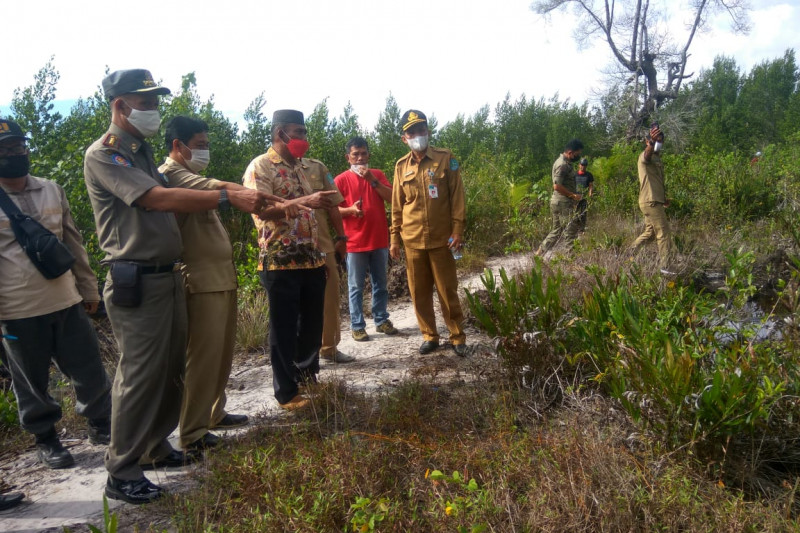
370 232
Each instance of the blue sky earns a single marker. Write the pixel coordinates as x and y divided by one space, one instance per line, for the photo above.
442 56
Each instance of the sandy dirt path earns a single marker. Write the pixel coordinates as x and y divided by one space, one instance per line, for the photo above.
73 497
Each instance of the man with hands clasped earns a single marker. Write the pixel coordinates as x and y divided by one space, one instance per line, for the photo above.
428 216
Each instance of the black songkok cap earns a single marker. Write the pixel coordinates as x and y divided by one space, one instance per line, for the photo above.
137 80
411 117
288 116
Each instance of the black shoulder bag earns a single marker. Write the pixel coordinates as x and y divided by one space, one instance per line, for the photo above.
48 254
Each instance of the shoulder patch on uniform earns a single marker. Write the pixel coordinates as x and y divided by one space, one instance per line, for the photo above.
329 177
453 163
111 140
120 160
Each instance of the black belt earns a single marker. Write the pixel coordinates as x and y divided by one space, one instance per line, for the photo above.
158 269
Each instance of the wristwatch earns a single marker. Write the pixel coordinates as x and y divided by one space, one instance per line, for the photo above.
224 203
340 238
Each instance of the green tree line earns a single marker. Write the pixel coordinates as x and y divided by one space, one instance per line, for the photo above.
506 153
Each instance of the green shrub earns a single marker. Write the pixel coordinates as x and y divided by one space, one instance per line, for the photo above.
671 357
9 415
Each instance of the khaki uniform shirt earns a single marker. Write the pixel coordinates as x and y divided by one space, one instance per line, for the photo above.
321 180
24 292
428 203
651 180
118 170
284 244
564 175
207 252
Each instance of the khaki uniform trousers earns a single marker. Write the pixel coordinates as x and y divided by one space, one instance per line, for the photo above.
209 356
566 225
146 395
656 225
426 269
331 330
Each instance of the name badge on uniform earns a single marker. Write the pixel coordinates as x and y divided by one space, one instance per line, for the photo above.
433 191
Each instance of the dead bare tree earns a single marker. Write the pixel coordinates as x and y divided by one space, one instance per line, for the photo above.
653 60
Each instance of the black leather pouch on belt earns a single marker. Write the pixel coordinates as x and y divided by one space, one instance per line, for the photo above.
127 281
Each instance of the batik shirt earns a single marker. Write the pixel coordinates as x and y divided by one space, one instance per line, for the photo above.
284 244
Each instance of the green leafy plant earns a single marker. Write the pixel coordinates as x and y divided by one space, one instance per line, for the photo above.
459 497
110 521
670 361
367 513
9 414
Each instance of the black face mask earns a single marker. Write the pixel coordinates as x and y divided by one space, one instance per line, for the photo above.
15 166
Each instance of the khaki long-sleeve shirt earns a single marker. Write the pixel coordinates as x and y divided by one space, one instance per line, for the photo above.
651 180
428 201
320 179
24 292
207 259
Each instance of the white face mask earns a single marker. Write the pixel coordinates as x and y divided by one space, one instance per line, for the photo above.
657 146
146 122
199 160
359 169
418 143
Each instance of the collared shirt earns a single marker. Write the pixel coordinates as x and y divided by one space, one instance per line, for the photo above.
118 170
207 252
651 180
24 292
320 179
284 244
369 232
428 203
564 175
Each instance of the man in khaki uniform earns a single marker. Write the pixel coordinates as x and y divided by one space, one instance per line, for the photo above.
428 214
565 198
144 290
653 199
290 263
44 320
209 276
320 178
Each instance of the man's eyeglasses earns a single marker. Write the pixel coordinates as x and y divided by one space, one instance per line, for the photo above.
17 149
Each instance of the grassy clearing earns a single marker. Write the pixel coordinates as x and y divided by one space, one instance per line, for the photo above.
533 440
467 457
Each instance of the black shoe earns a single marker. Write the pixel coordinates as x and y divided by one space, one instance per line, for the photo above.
174 459
137 492
460 349
232 421
209 440
53 454
100 432
11 499
427 347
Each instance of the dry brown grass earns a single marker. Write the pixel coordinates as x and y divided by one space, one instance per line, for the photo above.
583 468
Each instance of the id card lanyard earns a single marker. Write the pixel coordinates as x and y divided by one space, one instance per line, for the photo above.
433 190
